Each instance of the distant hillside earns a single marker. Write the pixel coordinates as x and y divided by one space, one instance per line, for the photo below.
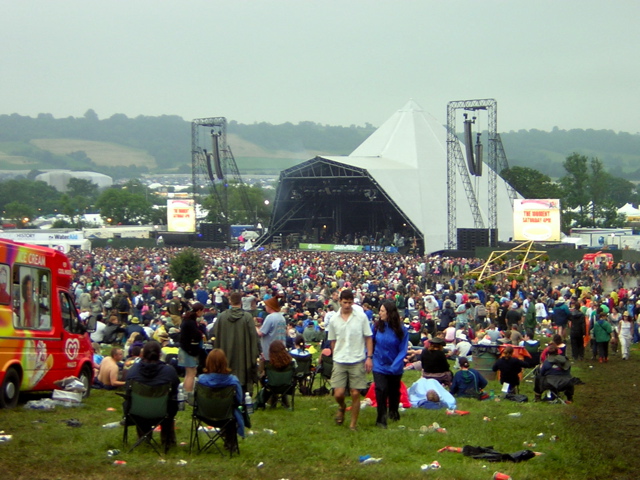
126 147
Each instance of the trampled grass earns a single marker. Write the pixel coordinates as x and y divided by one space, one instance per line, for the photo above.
308 445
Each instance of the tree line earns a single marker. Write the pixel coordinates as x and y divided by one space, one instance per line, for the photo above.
168 139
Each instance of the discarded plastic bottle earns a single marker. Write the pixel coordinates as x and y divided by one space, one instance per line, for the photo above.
181 397
5 438
269 431
111 425
113 452
371 460
515 414
248 403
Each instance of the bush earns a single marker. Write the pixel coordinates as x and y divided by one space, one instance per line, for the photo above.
186 266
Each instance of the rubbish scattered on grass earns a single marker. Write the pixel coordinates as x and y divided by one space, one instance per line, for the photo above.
457 412
501 476
208 428
119 462
528 444
260 465
370 460
111 409
401 427
486 419
111 425
540 435
449 448
162 461
431 466
553 438
269 431
44 404
5 438
181 463
515 414
72 422
113 452
491 455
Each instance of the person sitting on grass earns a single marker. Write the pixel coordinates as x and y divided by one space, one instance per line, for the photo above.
509 368
467 382
434 362
429 393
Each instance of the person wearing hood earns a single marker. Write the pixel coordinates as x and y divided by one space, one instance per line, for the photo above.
555 374
467 382
235 333
152 372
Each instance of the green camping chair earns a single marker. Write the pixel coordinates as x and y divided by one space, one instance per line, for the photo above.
280 382
214 407
303 373
146 407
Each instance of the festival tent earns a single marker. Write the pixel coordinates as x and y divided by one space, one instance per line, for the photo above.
401 167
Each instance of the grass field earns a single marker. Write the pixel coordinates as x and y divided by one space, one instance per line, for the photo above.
102 153
308 445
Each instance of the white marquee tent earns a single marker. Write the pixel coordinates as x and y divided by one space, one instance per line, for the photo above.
407 157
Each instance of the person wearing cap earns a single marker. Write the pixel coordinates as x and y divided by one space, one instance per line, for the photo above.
467 382
434 362
135 327
175 309
560 315
273 329
602 334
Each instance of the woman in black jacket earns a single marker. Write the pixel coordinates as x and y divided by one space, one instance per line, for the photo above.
190 345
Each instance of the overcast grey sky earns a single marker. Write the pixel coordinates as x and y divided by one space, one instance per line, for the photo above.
565 63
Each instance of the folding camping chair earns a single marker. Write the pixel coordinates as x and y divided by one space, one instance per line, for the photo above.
214 407
280 382
324 369
304 373
145 407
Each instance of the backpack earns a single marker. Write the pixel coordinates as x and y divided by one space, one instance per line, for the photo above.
481 311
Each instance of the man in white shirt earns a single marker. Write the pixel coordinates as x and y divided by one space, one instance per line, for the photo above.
352 346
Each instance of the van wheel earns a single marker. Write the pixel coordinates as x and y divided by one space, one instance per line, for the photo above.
10 391
85 377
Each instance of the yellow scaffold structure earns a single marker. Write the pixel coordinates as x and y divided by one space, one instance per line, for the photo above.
526 249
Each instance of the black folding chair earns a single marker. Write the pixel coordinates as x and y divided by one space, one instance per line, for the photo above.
146 407
280 382
325 369
214 407
303 373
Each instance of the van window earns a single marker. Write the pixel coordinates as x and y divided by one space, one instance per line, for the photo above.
69 313
5 284
31 297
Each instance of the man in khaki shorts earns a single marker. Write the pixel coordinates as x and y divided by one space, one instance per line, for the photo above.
352 346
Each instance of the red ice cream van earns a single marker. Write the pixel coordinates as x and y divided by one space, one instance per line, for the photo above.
42 339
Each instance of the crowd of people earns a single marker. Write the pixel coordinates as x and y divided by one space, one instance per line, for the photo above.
376 312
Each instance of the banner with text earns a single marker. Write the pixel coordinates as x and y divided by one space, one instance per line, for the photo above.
181 215
536 219
330 247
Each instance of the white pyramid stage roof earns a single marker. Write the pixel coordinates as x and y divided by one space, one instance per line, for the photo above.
407 157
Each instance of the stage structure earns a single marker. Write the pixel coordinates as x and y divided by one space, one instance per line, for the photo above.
525 253
391 191
497 161
213 167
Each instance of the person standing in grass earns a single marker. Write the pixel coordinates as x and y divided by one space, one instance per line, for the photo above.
352 347
625 334
602 333
390 343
